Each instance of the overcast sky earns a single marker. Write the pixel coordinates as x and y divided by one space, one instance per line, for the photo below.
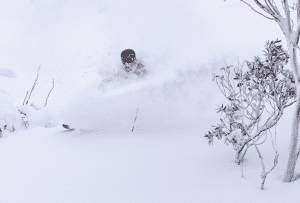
190 31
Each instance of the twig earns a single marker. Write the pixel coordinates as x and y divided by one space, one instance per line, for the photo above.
135 119
261 130
25 97
34 84
248 146
261 160
287 105
264 172
274 140
264 176
49 92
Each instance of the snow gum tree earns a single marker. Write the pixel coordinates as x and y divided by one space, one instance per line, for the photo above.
291 31
257 99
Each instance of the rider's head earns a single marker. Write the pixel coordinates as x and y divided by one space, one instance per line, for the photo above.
128 56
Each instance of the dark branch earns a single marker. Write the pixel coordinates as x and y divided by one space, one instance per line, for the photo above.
25 97
287 105
37 77
269 6
257 11
135 119
49 92
273 4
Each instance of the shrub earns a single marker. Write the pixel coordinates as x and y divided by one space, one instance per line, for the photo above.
256 101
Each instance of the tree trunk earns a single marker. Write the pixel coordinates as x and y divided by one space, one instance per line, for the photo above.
293 148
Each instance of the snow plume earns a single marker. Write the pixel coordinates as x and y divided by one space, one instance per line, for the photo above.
170 97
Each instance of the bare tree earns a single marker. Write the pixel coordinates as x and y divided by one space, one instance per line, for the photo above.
269 10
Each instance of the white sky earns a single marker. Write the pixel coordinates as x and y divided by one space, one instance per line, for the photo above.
53 32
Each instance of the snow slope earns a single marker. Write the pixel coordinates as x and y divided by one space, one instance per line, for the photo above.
166 163
51 165
166 158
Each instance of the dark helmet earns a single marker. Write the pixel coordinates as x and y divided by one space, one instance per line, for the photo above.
128 56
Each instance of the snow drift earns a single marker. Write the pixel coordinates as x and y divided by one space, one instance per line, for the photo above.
6 72
10 118
37 116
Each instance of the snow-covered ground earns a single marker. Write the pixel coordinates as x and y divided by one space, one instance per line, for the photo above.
53 165
166 158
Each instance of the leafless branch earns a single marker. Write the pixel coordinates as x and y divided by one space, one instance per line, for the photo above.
248 146
268 124
264 176
273 142
135 119
34 84
257 11
270 6
49 92
287 105
273 4
263 7
260 157
25 97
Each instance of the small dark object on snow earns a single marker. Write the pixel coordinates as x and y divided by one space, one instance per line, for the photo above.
67 127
